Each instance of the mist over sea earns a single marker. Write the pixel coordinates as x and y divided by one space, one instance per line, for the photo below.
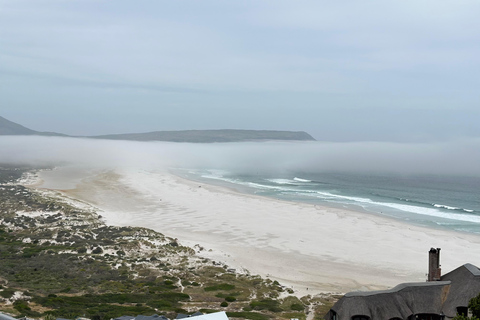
450 202
430 184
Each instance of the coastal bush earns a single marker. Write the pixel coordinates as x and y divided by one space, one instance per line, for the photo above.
22 307
297 307
222 286
160 304
224 304
266 304
463 317
7 293
97 250
474 305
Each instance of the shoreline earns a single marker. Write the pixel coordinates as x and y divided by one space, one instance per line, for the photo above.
310 248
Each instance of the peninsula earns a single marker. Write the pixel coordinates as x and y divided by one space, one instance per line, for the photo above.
8 127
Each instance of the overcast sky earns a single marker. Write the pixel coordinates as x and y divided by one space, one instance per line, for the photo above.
403 71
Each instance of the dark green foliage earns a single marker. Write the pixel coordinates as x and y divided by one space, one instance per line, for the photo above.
105 306
97 250
462 317
266 304
222 286
224 304
230 299
89 299
7 293
474 305
297 307
22 307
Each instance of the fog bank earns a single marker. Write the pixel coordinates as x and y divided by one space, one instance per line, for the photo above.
460 157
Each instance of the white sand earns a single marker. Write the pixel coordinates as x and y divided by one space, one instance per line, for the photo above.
300 245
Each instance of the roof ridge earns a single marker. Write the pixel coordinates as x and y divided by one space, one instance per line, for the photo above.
473 269
398 288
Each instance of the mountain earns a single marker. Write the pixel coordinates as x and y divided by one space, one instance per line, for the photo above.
8 127
205 136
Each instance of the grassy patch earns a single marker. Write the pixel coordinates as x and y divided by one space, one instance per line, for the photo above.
221 286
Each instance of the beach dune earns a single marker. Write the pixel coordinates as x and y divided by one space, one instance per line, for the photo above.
309 248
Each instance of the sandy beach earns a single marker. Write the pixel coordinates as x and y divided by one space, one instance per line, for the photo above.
309 248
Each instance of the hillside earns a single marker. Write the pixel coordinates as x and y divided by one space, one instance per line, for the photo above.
8 127
58 258
200 136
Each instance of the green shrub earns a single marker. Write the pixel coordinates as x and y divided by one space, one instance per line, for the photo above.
266 304
97 250
462 317
7 293
230 299
224 304
222 286
474 305
297 307
160 304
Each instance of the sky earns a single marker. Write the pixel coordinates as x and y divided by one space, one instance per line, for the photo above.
343 71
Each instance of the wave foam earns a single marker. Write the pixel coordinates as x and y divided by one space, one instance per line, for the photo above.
301 180
426 209
283 181
445 207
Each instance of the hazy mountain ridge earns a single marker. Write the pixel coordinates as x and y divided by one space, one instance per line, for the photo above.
8 127
225 135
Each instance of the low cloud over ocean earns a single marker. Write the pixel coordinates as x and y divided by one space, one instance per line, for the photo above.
459 157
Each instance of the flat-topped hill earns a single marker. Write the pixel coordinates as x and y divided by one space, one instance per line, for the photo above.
226 135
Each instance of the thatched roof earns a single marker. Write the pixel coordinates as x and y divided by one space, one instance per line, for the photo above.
400 302
437 297
465 285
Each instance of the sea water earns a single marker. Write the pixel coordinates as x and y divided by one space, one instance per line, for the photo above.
448 202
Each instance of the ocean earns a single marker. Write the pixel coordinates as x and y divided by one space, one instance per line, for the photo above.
446 202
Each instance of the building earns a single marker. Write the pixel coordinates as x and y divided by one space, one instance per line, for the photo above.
442 297
4 316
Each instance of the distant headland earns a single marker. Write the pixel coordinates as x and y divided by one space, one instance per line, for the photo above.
8 127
